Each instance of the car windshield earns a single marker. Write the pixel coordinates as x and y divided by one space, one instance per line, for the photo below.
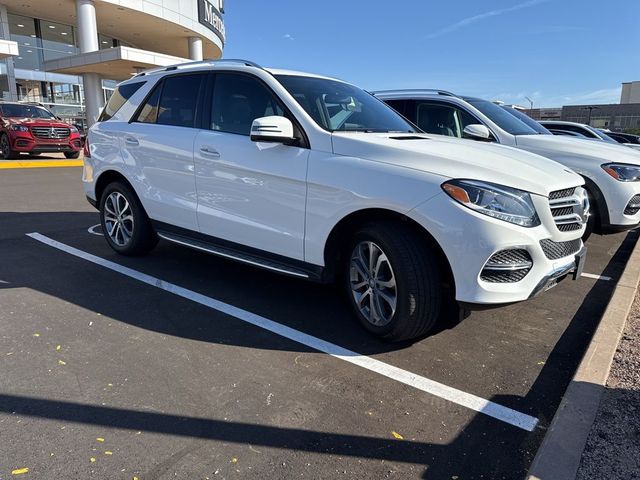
528 120
25 111
603 136
338 106
504 120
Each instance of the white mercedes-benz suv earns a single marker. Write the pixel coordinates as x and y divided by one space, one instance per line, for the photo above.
611 171
312 177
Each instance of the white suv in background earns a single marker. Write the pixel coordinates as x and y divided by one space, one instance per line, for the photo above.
611 171
314 178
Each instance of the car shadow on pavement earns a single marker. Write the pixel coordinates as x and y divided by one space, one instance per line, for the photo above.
310 308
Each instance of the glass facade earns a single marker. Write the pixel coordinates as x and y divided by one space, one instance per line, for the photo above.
40 41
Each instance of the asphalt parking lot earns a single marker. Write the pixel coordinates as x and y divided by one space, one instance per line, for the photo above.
178 366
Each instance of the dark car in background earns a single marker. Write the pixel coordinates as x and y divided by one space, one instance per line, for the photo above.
32 129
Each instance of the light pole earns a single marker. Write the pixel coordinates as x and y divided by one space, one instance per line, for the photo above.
530 104
590 108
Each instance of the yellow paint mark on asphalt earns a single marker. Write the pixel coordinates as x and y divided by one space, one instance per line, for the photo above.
397 436
100 439
12 164
19 471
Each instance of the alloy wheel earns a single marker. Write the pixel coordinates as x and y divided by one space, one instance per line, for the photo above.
118 219
373 283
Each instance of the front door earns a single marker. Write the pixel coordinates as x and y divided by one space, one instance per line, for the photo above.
250 193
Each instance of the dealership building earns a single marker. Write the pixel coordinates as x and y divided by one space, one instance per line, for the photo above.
70 54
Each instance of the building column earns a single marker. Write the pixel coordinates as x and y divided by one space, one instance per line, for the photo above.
88 42
6 35
195 49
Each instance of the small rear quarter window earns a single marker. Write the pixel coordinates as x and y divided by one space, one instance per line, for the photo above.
118 99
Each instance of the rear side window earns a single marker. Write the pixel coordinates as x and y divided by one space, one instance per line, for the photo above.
118 99
149 112
174 102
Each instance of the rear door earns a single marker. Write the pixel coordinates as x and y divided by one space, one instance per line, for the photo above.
159 142
249 193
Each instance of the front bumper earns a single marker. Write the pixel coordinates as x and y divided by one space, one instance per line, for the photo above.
469 239
25 142
618 196
554 277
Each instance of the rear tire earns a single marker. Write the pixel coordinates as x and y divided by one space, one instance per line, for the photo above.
72 154
392 281
125 224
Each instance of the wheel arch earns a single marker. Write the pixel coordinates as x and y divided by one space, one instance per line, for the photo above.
601 203
334 253
107 177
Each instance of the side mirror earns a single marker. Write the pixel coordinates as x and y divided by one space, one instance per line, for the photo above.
477 132
273 129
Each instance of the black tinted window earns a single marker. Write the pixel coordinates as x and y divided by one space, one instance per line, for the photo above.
118 99
178 100
238 100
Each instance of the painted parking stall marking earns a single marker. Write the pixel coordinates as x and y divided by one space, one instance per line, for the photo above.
17 164
473 402
596 277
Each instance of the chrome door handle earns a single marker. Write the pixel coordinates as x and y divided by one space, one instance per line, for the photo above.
131 141
209 152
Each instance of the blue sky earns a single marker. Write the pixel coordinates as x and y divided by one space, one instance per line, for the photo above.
557 52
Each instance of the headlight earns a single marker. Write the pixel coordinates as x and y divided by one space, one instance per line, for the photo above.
622 171
19 128
73 129
505 203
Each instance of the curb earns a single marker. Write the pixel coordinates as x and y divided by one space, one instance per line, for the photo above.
559 455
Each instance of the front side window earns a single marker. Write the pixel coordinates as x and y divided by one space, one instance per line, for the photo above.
238 100
443 119
338 106
118 99
24 111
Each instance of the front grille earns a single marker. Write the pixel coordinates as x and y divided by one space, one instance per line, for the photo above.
50 132
555 250
567 192
633 206
507 266
566 209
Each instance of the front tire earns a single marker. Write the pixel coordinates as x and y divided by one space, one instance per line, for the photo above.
72 154
593 217
125 224
392 281
5 146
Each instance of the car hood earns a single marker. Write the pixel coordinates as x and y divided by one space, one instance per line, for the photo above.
557 148
458 158
44 122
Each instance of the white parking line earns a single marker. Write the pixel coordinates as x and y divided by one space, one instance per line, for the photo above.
92 230
596 277
505 414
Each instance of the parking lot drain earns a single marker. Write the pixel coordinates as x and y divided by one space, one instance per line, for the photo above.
468 400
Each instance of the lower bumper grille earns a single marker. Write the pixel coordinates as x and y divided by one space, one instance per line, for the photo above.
507 266
555 250
633 206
